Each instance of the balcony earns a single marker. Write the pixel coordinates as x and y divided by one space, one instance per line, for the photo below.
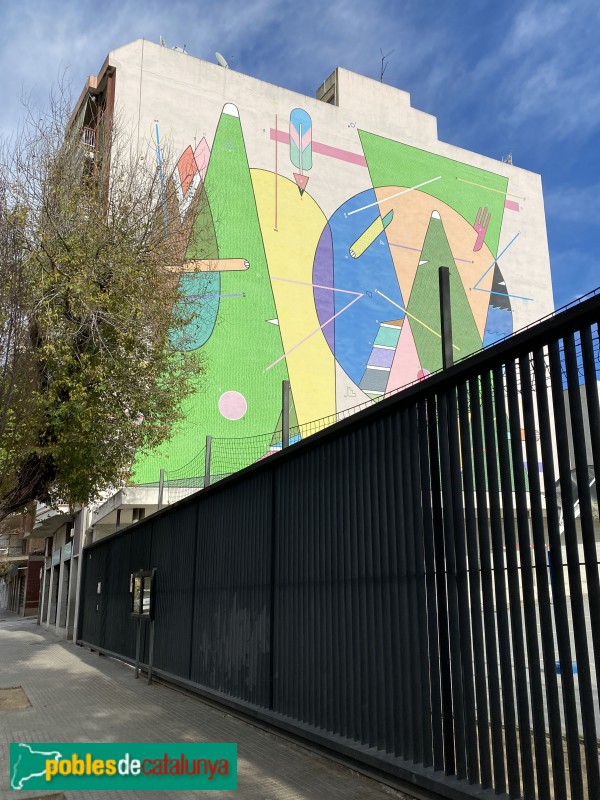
88 137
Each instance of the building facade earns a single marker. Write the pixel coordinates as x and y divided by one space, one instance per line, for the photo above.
21 562
323 224
63 532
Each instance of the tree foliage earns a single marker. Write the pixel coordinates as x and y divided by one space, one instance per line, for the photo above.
89 302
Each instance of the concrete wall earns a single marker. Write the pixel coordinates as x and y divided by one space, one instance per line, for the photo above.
58 596
323 267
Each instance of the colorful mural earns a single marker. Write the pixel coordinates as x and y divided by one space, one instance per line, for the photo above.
345 306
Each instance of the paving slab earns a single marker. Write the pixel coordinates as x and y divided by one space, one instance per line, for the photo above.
79 696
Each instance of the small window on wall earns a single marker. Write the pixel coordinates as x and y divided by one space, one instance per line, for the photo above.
138 514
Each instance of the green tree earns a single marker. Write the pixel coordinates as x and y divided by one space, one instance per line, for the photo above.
90 243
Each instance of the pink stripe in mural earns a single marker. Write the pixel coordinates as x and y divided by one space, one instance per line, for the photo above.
324 149
511 205
342 155
280 136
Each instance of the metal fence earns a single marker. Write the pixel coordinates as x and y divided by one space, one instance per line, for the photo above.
416 587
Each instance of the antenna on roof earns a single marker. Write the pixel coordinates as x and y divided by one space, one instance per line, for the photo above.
162 42
508 159
221 61
384 65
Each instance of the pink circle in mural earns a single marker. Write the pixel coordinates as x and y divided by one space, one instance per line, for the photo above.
233 405
422 374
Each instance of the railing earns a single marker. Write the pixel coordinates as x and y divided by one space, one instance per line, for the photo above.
415 587
88 137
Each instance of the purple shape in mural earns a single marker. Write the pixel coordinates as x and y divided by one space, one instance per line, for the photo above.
323 276
381 357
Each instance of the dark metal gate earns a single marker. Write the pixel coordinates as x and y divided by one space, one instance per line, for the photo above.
416 587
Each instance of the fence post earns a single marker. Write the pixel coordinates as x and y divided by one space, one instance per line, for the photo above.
207 462
285 413
161 487
446 317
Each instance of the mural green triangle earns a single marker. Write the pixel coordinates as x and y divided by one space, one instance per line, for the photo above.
203 239
424 304
243 300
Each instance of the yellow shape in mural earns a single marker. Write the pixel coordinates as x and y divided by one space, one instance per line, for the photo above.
290 252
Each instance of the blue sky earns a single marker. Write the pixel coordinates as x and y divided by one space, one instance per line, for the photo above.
520 77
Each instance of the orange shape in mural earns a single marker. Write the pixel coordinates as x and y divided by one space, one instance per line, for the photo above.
406 236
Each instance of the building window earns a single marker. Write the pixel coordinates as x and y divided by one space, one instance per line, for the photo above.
138 514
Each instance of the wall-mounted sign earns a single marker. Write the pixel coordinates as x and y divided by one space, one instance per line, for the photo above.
67 551
56 557
142 589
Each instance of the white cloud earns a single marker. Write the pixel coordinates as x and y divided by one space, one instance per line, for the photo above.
547 71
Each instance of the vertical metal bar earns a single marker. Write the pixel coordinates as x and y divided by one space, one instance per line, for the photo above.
580 439
161 488
325 577
534 665
273 578
543 588
458 546
385 488
508 705
363 615
404 615
325 581
298 528
380 701
446 316
394 504
330 483
440 583
593 403
151 652
483 724
350 684
138 635
287 513
424 704
570 540
366 656
194 591
431 591
207 462
561 618
507 472
341 611
458 698
309 619
413 632
356 562
285 413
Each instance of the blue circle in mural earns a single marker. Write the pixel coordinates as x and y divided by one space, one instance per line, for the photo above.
367 292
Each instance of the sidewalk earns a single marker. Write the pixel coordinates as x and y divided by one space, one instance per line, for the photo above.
77 695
